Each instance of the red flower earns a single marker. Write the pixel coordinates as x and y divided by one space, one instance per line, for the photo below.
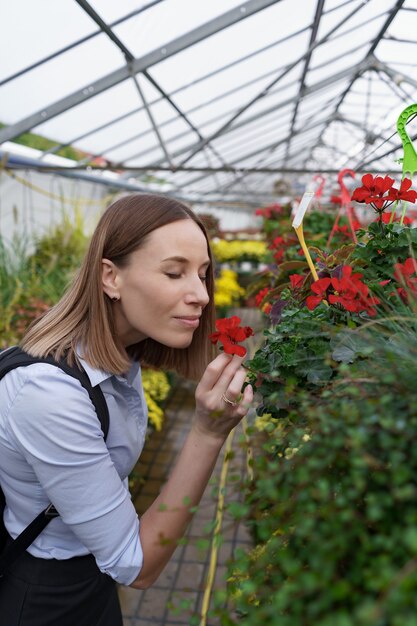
260 296
268 211
368 305
404 271
406 274
345 229
347 291
351 293
277 243
279 255
230 333
404 192
373 191
296 280
386 218
319 287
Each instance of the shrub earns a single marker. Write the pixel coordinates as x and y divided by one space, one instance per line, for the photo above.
334 501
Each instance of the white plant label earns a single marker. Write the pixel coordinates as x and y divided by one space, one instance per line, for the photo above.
302 208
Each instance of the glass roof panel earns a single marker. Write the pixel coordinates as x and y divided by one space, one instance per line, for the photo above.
57 78
37 32
92 114
168 20
219 88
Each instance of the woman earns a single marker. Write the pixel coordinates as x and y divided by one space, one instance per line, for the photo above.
143 295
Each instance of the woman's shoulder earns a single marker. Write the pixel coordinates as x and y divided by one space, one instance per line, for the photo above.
34 392
38 374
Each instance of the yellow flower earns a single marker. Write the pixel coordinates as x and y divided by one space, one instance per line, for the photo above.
155 413
290 452
155 383
156 388
227 289
239 250
262 421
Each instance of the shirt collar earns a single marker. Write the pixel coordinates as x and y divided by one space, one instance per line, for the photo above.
97 376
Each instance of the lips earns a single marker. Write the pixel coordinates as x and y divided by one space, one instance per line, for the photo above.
190 321
188 317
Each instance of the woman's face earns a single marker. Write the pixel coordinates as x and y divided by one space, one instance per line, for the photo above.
162 292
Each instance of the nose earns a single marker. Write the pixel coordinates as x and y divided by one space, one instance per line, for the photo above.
197 293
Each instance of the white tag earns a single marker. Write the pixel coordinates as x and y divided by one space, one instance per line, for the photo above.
302 208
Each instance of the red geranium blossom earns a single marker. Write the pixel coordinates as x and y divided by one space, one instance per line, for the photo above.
347 291
230 333
352 293
260 296
345 229
373 191
276 243
296 280
386 218
319 287
380 192
406 274
268 212
404 192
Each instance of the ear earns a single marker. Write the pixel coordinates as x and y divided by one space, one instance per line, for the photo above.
109 278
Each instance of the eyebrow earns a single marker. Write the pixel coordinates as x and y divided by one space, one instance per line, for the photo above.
181 259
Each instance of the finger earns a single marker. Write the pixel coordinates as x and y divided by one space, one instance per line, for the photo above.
220 371
214 370
246 401
234 388
229 372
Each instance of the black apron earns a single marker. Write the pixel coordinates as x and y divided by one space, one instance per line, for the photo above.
51 592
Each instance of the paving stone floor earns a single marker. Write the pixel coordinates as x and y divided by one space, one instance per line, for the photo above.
176 597
178 593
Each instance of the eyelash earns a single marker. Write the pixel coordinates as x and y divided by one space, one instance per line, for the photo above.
174 276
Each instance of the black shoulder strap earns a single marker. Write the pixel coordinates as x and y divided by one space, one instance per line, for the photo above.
16 357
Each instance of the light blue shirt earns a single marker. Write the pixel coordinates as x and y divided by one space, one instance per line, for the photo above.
52 450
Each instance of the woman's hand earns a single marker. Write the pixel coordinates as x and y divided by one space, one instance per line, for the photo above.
220 405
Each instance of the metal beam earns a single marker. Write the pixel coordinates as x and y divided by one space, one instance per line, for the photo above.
130 58
138 65
334 78
269 148
260 95
313 35
200 79
41 166
397 77
370 56
203 105
76 43
175 92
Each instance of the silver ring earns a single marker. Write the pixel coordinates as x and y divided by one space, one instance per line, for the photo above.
228 401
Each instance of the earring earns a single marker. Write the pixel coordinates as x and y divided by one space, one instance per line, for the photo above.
115 298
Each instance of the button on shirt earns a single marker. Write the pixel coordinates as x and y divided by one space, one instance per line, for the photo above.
52 450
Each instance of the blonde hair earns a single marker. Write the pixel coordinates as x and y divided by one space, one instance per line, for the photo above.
84 316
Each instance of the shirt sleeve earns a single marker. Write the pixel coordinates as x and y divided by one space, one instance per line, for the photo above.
55 427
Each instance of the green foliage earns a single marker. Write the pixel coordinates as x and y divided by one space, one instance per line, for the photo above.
58 254
294 356
386 244
334 501
333 504
31 284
